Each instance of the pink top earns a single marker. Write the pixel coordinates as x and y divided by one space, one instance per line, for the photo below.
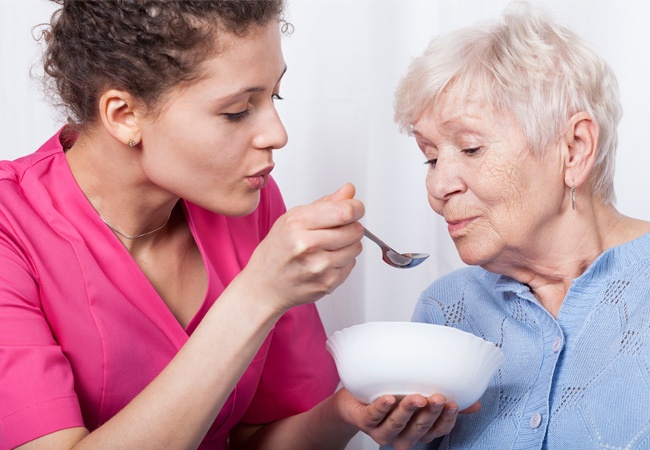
82 330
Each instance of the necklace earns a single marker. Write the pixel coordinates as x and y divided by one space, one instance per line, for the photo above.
137 235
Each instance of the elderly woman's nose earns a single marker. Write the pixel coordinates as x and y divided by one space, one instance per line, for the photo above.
445 180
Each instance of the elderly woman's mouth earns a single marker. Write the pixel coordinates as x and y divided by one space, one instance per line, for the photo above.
455 227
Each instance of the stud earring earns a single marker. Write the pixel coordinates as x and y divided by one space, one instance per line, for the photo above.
132 143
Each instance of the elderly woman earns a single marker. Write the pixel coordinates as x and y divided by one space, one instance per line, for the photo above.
517 121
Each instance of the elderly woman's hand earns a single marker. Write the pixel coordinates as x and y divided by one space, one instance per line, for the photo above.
402 423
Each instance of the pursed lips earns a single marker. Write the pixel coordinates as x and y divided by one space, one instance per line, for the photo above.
259 179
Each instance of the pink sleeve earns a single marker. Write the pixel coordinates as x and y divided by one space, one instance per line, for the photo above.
36 383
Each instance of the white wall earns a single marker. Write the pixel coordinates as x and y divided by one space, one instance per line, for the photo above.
345 58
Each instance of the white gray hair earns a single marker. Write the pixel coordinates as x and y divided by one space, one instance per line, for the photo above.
530 66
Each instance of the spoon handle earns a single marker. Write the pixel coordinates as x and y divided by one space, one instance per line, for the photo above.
375 239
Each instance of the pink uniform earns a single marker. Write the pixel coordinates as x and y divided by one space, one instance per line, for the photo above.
82 330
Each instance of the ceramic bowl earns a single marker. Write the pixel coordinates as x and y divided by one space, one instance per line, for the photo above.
401 358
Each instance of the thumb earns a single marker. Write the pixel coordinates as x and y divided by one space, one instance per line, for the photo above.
345 192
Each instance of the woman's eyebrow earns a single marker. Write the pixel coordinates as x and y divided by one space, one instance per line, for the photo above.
249 90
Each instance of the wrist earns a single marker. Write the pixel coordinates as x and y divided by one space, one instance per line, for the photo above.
259 303
344 406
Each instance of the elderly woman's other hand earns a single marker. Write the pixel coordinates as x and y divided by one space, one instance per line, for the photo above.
402 422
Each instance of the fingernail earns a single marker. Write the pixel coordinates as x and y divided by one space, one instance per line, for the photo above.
452 411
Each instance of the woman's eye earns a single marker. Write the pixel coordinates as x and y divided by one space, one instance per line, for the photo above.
277 97
471 151
238 117
431 162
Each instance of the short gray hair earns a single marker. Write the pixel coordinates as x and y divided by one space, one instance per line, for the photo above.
530 66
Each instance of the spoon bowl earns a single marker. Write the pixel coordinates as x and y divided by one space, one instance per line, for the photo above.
393 258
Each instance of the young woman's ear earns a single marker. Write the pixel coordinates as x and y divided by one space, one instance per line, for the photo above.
117 110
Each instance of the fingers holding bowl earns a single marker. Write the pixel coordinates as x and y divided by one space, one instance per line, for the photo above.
413 419
433 421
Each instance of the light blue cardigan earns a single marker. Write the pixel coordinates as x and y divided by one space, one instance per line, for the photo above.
579 382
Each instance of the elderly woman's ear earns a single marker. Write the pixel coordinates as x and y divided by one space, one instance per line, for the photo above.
580 145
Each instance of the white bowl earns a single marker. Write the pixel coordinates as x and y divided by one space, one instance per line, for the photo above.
401 358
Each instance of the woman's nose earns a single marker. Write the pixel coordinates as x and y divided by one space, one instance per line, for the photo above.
445 179
272 134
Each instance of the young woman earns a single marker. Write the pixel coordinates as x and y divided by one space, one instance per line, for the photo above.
154 293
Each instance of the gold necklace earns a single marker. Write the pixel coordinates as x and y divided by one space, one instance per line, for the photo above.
137 235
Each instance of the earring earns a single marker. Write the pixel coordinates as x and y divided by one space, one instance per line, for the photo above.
132 143
573 196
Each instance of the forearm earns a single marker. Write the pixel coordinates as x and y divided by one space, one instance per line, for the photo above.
320 428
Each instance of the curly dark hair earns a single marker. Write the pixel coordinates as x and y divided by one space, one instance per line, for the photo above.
143 47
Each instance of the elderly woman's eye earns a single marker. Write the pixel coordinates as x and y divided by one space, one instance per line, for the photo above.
472 151
431 162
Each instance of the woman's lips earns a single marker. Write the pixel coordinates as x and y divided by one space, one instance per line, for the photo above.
260 179
455 227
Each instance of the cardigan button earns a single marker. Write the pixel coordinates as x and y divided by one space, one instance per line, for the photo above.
535 420
557 344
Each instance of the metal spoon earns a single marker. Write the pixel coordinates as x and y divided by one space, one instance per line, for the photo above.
392 258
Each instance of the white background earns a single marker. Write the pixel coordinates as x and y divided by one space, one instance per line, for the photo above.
345 58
